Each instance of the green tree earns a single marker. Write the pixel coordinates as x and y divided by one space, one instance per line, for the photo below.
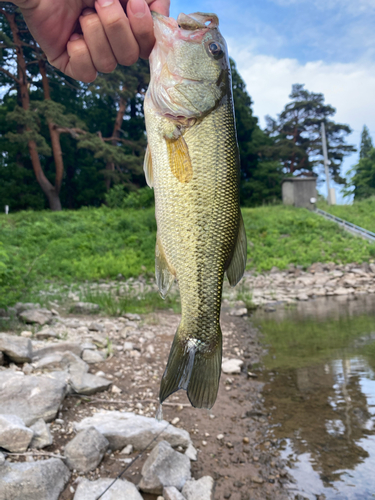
366 143
297 137
260 175
363 180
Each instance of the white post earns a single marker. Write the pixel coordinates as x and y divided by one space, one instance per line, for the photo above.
326 162
7 209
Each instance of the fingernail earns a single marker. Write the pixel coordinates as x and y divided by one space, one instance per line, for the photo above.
137 7
74 37
87 12
105 3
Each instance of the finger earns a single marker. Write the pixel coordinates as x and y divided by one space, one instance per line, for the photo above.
80 65
97 42
117 28
142 26
159 6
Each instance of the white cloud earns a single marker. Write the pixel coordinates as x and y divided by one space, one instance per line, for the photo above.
347 87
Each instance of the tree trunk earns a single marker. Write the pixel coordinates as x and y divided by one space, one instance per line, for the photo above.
47 188
110 166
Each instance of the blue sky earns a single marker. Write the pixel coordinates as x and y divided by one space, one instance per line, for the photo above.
328 45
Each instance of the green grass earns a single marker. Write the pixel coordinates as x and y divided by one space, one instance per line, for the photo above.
361 213
92 244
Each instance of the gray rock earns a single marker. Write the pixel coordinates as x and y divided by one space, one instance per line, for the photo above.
231 366
164 467
25 306
199 490
42 480
73 347
61 361
242 311
1 358
132 317
14 435
38 316
2 459
85 383
96 327
128 450
46 334
18 349
121 490
86 450
42 436
31 397
191 453
123 428
172 493
92 357
85 308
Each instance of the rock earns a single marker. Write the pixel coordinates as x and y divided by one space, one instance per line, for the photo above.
24 306
85 383
343 291
242 311
73 347
26 334
302 297
123 428
164 467
132 317
231 366
86 450
91 356
121 490
14 435
2 459
42 480
31 397
172 493
39 316
46 334
61 361
18 349
96 327
42 436
1 358
85 308
128 450
199 490
191 453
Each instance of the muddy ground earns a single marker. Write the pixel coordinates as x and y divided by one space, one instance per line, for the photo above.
245 463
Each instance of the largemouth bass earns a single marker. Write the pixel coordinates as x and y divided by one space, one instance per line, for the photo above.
192 162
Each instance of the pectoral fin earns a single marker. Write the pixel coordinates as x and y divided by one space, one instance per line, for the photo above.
179 158
237 265
163 274
147 167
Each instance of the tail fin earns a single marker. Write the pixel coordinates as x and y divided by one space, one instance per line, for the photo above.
194 370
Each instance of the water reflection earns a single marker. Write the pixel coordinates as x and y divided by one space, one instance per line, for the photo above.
320 393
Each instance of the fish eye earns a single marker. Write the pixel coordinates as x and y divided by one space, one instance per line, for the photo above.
215 49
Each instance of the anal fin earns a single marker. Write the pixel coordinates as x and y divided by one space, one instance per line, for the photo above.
163 275
237 265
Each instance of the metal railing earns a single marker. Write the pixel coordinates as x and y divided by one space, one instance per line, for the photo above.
348 226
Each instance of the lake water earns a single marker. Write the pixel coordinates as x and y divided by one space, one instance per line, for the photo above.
320 393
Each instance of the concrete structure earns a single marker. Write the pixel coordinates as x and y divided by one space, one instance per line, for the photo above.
298 191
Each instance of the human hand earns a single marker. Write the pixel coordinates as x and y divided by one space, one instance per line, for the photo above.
82 37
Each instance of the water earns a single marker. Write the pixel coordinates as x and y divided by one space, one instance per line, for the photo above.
320 393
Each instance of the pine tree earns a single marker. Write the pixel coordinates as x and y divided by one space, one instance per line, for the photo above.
366 143
297 135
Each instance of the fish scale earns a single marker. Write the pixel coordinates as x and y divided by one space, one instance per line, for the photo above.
198 224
